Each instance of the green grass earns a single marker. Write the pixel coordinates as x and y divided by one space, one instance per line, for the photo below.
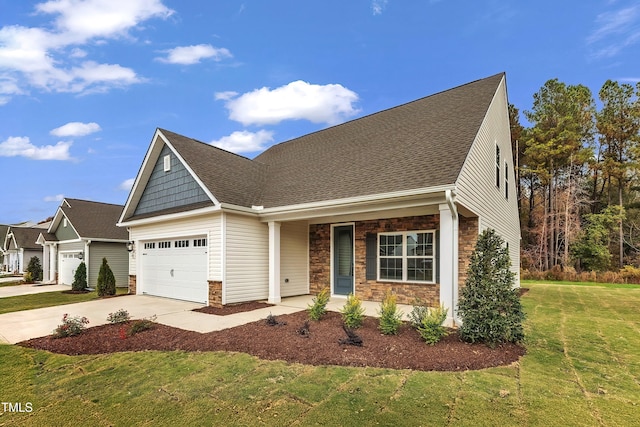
46 299
582 368
524 283
13 283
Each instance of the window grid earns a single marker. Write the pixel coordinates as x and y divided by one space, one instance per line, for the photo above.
164 245
199 242
181 244
497 166
407 256
150 245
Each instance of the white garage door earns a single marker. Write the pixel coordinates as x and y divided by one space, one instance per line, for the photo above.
67 264
175 268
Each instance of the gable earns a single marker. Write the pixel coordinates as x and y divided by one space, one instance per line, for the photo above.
169 189
63 233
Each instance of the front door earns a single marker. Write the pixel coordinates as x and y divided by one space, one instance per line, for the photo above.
343 260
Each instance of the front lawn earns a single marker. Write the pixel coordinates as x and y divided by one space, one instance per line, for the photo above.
582 368
16 282
47 299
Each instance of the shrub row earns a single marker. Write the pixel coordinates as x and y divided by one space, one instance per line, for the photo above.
72 326
628 274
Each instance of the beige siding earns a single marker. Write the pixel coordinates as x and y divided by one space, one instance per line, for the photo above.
294 238
208 225
476 185
246 258
117 258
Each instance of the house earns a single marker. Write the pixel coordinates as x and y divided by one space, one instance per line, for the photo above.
391 201
20 246
4 259
83 230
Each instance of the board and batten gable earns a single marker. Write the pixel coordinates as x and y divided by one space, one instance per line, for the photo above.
209 225
170 188
246 259
476 187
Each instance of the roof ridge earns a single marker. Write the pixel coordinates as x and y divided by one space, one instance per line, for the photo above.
381 111
205 143
93 201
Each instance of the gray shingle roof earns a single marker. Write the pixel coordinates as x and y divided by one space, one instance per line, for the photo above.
420 144
95 220
26 237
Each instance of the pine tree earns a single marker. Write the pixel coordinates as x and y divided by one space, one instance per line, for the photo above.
80 278
490 305
106 280
35 269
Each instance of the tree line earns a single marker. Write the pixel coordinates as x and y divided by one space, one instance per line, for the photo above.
577 164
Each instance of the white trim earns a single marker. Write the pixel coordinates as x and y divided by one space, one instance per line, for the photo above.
274 263
170 217
331 263
223 255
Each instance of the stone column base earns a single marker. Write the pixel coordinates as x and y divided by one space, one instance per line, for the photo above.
132 284
215 293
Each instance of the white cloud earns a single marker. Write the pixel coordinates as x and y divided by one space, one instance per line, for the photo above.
225 96
76 129
56 198
378 6
245 141
127 184
22 146
39 56
615 31
297 100
187 55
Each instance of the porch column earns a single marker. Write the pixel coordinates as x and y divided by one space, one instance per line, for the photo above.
449 262
274 262
53 261
45 262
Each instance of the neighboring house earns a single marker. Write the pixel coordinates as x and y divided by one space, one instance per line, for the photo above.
4 260
390 201
20 246
86 231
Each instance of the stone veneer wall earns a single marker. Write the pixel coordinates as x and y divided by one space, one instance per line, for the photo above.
132 284
467 238
215 293
371 290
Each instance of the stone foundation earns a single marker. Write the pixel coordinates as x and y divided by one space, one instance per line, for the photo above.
215 293
132 284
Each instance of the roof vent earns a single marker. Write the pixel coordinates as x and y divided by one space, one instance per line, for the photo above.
257 208
167 163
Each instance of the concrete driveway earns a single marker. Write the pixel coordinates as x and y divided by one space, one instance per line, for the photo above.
23 325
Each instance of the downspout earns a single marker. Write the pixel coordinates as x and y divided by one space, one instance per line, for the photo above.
450 196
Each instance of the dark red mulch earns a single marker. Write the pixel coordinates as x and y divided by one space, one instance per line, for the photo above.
403 351
233 309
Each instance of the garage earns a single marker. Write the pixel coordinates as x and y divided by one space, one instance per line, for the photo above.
175 268
68 262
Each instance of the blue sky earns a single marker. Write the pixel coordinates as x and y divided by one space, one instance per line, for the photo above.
84 84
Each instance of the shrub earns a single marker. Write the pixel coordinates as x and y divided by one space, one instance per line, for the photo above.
352 312
106 280
119 316
419 311
272 320
80 278
27 277
35 269
489 305
630 274
352 337
430 327
390 317
319 306
142 325
70 326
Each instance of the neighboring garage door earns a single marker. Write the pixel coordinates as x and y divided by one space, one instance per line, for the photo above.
176 268
67 264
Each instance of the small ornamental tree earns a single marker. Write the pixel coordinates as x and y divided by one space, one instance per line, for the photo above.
106 280
35 269
489 305
80 278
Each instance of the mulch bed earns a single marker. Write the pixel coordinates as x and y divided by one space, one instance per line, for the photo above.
233 309
283 342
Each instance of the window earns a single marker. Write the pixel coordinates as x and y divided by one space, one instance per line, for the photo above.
181 244
150 245
506 181
497 166
164 245
406 256
167 163
64 222
199 242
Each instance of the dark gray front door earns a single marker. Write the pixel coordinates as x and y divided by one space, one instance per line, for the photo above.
343 260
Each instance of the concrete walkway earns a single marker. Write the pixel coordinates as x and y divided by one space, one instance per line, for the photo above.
13 291
24 325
